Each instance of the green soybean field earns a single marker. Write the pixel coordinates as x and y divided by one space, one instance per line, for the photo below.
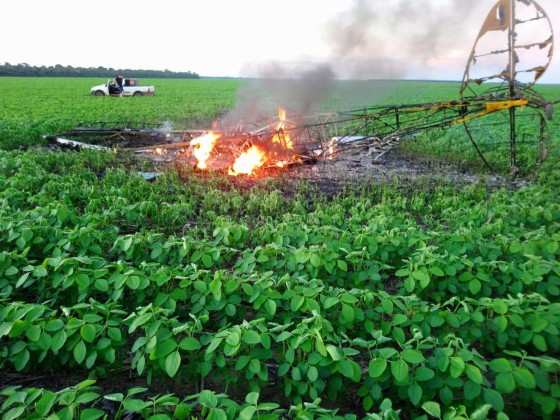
208 299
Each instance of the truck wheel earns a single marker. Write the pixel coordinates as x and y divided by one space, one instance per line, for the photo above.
99 93
138 94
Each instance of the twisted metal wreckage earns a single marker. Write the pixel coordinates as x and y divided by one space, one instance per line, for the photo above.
377 128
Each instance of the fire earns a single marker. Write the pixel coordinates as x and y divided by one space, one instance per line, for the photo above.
203 147
271 146
282 137
247 162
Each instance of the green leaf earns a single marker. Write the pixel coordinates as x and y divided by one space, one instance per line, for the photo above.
11 271
5 328
135 405
456 366
208 399
422 277
500 365
217 414
474 374
270 307
182 411
251 337
58 340
91 414
524 378
334 352
481 413
247 413
296 303
255 366
312 374
315 261
114 334
471 390
424 374
505 383
117 397
126 243
347 314
79 352
409 284
45 404
412 356
172 363
268 406
399 369
139 321
88 333
415 393
540 343
296 374
87 397
377 367
475 286
189 344
33 333
252 398
548 404
342 265
40 271
351 370
500 307
432 408
330 302
233 338
494 398
14 413
20 361
54 325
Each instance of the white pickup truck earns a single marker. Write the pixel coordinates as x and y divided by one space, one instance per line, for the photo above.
130 88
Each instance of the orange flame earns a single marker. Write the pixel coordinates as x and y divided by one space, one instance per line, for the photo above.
203 147
247 162
282 137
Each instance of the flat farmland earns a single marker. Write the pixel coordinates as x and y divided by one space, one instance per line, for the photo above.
121 298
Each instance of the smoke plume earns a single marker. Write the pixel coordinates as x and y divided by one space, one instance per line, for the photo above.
373 39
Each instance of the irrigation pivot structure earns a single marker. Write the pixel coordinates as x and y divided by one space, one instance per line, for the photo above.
481 94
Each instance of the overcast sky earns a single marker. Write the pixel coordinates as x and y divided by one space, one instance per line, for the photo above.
232 38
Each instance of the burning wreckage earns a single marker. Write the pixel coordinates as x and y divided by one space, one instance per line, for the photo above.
286 140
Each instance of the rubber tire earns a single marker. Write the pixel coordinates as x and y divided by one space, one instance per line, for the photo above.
138 94
99 93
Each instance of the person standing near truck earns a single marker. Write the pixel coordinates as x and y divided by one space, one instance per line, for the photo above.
120 81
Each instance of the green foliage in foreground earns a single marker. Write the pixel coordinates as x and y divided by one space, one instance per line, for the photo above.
431 299
83 401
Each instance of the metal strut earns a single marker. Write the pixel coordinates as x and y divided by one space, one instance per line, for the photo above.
512 87
480 154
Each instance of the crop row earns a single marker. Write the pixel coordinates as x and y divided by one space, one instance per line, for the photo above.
365 260
309 354
84 401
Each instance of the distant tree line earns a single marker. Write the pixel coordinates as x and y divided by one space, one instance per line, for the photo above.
58 70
